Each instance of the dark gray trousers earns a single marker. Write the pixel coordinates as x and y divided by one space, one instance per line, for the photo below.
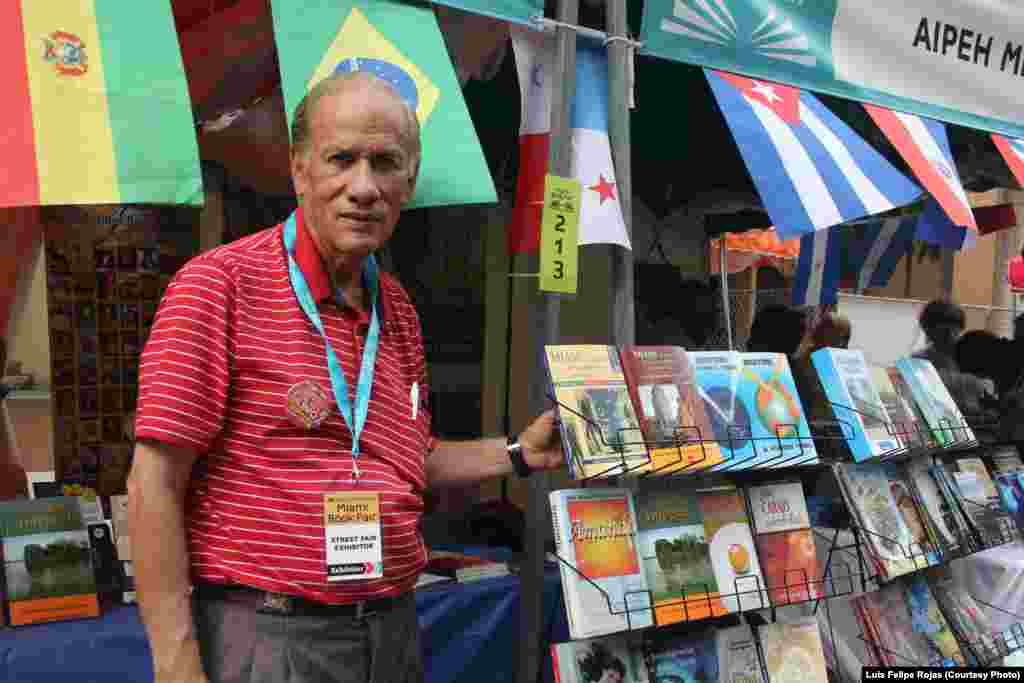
239 644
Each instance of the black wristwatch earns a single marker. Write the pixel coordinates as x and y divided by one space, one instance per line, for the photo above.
515 454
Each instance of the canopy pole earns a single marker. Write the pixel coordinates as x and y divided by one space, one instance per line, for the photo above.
722 264
623 320
545 326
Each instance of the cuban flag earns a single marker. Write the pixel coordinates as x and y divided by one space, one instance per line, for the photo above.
811 169
1012 150
923 144
856 256
601 219
934 226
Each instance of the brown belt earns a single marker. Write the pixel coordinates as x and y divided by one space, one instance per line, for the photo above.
268 602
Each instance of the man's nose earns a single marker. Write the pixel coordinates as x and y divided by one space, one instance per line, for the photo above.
363 186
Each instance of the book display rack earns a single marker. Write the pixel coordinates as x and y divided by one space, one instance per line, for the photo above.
861 551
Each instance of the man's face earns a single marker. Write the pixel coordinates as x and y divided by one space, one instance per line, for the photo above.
354 174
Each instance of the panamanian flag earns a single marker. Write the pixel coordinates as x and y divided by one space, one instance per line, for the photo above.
601 219
1012 150
850 255
811 169
924 145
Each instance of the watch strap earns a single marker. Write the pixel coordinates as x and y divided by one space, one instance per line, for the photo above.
515 454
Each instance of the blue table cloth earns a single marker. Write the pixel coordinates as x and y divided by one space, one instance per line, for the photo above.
469 634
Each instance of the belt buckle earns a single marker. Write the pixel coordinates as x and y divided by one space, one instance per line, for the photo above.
277 603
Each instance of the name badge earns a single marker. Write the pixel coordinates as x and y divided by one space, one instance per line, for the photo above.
352 534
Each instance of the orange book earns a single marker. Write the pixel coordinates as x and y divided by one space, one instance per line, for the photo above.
785 543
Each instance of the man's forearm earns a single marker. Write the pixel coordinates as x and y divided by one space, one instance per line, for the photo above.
459 463
161 562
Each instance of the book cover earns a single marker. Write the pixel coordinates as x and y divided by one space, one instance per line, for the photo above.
687 659
903 422
674 551
717 374
793 652
599 660
977 465
931 396
1006 459
785 542
777 422
923 546
47 563
600 430
734 560
910 629
848 384
866 489
946 533
737 655
671 412
595 532
1011 493
920 432
986 516
968 620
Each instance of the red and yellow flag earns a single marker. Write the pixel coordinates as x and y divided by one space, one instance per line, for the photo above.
96 105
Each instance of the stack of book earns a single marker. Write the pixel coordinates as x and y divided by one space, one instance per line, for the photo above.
655 409
668 553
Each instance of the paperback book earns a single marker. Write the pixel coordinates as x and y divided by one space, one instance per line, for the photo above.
917 426
793 651
785 542
595 533
47 561
600 430
989 521
687 658
923 546
600 660
931 396
968 620
737 655
856 404
906 626
868 494
902 420
672 416
942 524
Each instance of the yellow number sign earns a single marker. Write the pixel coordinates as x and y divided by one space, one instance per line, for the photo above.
559 235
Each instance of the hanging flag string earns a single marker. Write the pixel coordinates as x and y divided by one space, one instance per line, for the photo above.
546 24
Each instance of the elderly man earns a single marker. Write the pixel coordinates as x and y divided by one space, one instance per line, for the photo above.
283 434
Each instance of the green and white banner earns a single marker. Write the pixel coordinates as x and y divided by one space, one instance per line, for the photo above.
960 61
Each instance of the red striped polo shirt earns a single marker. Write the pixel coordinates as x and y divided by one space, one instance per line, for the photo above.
228 342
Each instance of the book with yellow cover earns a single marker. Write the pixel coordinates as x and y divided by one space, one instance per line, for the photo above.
604 586
793 652
672 414
600 430
47 561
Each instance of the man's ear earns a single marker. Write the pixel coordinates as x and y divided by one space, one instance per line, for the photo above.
300 171
412 182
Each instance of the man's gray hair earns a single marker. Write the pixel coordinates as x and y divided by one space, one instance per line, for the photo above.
337 83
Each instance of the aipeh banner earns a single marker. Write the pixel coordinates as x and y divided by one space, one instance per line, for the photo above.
960 61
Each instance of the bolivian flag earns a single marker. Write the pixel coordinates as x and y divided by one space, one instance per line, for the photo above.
96 107
403 45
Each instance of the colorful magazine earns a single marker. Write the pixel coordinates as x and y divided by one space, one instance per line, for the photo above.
47 561
856 404
868 494
599 660
595 532
907 626
785 542
600 430
934 400
793 652
672 415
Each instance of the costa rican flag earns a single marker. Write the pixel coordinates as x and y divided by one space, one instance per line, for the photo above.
1012 150
858 256
601 219
811 169
924 145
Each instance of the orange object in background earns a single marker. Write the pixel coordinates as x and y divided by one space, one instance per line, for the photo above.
753 249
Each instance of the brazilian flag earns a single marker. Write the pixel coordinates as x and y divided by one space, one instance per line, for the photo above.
402 44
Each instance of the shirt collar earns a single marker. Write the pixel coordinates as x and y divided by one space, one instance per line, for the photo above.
307 256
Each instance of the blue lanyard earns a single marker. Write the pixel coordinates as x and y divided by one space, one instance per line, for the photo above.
357 421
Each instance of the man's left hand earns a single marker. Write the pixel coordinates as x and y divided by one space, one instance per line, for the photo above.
542 443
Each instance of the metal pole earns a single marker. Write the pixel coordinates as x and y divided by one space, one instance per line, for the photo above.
545 323
722 265
623 320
